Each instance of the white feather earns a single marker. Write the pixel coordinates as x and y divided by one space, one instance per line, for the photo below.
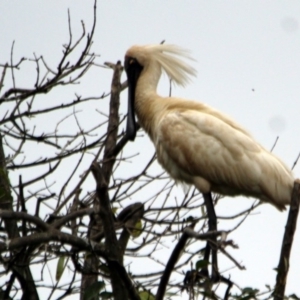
168 58
199 145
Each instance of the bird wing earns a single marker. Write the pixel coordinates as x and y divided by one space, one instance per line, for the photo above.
203 145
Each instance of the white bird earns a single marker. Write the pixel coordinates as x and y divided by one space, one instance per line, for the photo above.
195 143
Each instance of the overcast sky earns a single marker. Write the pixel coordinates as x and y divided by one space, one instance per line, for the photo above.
248 60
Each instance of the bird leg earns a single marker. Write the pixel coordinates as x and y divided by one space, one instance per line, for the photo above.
212 246
212 226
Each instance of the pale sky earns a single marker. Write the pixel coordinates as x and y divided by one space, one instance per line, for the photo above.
248 61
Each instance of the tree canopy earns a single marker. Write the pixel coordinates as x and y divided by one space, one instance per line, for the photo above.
83 214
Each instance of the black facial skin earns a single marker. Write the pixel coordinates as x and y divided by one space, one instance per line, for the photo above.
133 70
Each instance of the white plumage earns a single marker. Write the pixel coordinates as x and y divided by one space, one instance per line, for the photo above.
195 143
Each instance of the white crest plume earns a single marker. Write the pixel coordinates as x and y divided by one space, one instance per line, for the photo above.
168 58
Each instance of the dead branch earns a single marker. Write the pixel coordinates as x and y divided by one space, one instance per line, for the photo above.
290 228
171 263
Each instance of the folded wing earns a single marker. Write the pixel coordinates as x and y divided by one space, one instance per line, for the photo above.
202 145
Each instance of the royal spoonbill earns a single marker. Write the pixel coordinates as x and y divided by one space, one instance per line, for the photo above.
195 143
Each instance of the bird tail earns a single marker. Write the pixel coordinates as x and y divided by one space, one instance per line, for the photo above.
277 182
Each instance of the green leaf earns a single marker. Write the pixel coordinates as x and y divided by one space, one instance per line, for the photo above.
190 219
200 264
114 209
250 291
106 295
268 287
145 295
93 290
60 267
137 230
168 294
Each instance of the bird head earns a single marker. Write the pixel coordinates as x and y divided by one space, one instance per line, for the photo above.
167 57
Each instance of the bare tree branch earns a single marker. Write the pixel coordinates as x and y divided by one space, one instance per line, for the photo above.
170 265
290 228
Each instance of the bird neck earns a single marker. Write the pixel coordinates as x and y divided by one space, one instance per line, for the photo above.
146 97
148 80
